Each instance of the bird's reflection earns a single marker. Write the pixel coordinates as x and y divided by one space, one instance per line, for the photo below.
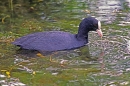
101 61
32 53
83 53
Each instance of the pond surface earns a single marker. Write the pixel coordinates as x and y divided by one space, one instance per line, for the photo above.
103 62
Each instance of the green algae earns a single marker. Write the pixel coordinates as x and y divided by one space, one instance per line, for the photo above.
64 16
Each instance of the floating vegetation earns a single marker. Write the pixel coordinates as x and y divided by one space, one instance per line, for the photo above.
103 62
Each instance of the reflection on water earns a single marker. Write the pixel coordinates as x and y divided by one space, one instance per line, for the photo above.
106 10
128 46
115 42
103 62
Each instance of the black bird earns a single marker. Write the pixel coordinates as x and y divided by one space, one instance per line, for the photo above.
59 40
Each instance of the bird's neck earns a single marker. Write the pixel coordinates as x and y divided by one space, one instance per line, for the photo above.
82 37
82 32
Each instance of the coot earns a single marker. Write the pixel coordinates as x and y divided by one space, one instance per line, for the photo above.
59 40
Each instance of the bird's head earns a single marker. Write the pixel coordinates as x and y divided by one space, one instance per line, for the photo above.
94 25
90 24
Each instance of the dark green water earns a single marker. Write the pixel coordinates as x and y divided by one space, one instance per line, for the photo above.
104 62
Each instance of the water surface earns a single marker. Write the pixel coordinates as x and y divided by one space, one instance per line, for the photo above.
103 62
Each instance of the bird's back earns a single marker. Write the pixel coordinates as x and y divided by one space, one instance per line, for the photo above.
49 41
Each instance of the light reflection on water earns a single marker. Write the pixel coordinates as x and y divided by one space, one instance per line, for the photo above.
115 43
110 55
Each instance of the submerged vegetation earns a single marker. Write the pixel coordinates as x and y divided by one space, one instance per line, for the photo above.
71 68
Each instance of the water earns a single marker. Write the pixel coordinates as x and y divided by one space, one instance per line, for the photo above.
103 62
